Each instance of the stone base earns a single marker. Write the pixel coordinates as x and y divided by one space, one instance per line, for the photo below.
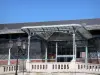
56 74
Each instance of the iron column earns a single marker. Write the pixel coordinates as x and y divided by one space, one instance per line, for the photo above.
74 47
46 54
9 56
86 55
10 46
56 50
28 57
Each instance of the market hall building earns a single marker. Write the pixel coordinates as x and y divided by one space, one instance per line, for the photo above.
52 41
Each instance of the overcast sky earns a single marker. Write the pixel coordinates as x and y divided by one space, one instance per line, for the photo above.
16 11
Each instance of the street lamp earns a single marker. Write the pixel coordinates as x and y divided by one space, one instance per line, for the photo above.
23 47
19 47
23 52
10 45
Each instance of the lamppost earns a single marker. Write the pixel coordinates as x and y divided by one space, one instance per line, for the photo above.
19 47
23 53
10 45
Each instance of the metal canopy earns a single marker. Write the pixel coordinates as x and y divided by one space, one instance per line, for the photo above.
45 31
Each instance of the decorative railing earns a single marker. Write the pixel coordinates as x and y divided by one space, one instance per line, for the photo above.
8 69
49 67
53 67
88 68
63 67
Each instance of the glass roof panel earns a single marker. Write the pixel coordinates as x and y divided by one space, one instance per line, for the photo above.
59 28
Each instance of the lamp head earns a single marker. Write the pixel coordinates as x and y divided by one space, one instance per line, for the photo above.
19 42
24 45
10 45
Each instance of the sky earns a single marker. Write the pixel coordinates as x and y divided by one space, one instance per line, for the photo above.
19 11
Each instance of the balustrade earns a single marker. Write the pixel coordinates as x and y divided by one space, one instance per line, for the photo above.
6 69
65 67
54 67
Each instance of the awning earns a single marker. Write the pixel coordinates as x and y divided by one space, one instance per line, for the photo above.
45 31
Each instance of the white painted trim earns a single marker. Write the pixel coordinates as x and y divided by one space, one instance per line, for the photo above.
50 26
